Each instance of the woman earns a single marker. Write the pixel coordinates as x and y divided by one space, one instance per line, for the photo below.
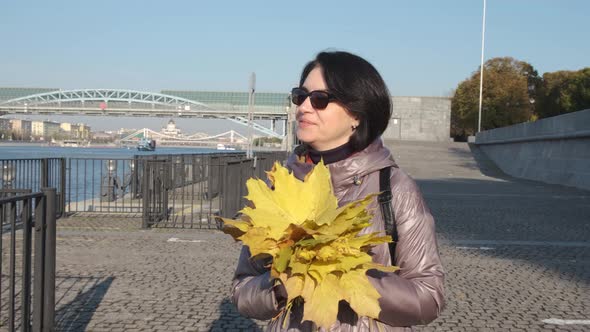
343 107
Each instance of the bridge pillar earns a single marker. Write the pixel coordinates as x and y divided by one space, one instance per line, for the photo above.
273 124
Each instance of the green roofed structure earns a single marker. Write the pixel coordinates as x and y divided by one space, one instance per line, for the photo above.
238 101
7 93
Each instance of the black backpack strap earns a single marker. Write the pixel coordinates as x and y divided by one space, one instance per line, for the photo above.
385 198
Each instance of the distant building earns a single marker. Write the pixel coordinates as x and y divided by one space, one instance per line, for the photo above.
82 131
103 136
5 125
50 129
171 130
76 131
420 119
21 128
45 129
37 128
66 127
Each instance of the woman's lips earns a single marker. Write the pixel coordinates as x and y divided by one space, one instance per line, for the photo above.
304 123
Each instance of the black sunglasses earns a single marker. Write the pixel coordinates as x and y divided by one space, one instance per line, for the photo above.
319 99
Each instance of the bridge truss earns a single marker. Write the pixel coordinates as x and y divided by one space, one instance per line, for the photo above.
117 102
230 136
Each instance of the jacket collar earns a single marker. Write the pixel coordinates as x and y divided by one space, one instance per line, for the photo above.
373 158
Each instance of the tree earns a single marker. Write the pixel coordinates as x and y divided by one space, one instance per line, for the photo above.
260 141
563 92
510 88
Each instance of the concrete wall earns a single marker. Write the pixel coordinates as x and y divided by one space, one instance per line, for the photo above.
420 118
553 150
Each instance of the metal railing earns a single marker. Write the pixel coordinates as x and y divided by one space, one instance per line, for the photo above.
104 185
34 174
236 174
31 287
191 190
234 186
184 190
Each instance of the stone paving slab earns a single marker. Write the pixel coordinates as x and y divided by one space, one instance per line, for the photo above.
135 279
101 222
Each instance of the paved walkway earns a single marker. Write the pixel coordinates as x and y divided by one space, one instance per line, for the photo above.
517 256
517 253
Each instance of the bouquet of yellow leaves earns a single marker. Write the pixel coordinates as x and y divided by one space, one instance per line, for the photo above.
316 248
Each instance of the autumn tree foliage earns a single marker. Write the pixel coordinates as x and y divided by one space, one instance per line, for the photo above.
564 92
510 88
513 92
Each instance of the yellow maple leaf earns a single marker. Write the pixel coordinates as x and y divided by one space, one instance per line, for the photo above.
360 294
297 267
236 228
293 285
257 240
328 253
316 248
324 199
295 197
308 287
322 307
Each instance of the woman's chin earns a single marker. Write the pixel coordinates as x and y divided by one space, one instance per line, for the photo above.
304 136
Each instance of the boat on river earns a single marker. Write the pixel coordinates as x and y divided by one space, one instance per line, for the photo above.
146 144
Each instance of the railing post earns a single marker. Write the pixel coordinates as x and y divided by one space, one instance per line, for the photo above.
223 199
12 302
27 255
62 189
50 252
2 214
145 197
40 210
44 173
69 191
134 177
167 186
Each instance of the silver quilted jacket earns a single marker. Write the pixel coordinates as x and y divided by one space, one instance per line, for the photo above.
411 296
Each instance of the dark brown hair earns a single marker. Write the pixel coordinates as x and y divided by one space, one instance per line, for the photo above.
357 86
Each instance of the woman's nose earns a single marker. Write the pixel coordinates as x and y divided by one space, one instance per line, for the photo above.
305 107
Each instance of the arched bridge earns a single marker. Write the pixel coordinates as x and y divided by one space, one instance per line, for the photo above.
118 102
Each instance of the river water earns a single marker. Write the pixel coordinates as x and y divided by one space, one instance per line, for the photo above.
86 167
17 151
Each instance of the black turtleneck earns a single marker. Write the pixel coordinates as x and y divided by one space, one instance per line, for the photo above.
330 156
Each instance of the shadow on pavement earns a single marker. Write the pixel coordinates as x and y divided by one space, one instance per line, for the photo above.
480 161
75 315
519 220
230 319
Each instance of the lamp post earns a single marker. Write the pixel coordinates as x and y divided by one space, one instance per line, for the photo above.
178 175
130 179
8 175
483 33
133 178
251 101
109 183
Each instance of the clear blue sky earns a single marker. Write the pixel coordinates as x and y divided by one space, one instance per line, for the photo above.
422 48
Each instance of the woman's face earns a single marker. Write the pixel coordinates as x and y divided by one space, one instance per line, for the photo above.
323 129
